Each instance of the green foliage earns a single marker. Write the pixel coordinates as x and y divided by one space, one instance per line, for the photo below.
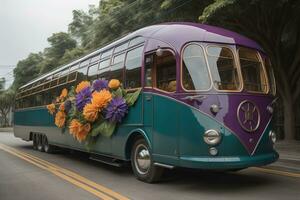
6 104
132 97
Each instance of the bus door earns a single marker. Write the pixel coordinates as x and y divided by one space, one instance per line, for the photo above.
160 107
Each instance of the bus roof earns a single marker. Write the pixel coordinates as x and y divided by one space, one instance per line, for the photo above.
174 33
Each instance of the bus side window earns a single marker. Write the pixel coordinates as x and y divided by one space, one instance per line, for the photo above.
133 68
166 72
93 72
117 67
149 60
104 70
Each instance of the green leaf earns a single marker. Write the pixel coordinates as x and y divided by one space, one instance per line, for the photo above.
106 129
118 92
132 97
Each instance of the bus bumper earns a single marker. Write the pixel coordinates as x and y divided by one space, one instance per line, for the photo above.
228 162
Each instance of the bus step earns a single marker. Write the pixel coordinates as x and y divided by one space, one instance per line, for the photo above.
107 160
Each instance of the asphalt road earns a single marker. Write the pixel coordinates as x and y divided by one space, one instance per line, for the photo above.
31 175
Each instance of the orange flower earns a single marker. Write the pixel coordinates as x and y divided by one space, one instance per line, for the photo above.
60 119
82 85
83 132
90 112
51 108
62 107
64 93
114 84
78 130
101 99
74 127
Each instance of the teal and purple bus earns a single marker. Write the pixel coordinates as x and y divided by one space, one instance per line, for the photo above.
206 101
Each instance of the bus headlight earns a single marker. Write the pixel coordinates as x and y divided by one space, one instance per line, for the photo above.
212 137
272 136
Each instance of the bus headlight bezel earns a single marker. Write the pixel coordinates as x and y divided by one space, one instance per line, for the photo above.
212 137
272 136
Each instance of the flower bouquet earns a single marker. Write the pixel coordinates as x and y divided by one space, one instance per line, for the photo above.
90 109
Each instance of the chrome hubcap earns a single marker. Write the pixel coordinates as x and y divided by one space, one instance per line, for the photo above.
142 159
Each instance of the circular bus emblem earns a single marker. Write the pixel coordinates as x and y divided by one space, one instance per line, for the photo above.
248 116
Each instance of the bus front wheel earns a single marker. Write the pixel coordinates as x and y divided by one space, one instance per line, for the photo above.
34 141
142 163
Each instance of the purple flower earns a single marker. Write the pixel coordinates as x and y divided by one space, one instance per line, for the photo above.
116 110
100 85
83 97
68 106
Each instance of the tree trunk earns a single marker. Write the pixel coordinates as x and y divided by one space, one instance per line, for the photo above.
289 110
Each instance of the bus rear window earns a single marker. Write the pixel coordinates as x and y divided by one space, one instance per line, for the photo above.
252 71
223 68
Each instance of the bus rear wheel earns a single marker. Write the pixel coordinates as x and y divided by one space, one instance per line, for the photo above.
142 163
40 143
48 148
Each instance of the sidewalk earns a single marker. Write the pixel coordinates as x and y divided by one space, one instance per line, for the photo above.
6 129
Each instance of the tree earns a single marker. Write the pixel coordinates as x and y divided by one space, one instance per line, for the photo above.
6 103
27 69
275 26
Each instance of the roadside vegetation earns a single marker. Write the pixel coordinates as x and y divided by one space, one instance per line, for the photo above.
273 24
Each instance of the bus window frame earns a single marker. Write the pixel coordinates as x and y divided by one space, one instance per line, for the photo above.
264 57
141 71
262 64
236 62
153 72
206 62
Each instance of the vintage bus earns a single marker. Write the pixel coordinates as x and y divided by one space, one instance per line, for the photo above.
206 101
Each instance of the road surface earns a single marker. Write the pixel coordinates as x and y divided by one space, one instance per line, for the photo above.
26 174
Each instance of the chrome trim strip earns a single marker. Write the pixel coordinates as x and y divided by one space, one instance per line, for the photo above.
261 136
164 165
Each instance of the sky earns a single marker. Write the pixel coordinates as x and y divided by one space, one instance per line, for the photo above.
25 26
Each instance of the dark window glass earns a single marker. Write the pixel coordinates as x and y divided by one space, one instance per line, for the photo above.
223 68
117 67
133 68
93 71
166 72
195 74
252 70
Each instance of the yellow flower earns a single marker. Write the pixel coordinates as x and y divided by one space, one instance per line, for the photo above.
101 99
64 93
83 132
114 84
82 85
51 108
60 119
78 130
90 112
62 106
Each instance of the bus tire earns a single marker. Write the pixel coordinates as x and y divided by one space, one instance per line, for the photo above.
142 163
40 142
48 148
34 141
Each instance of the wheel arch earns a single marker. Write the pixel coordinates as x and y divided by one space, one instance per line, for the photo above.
132 137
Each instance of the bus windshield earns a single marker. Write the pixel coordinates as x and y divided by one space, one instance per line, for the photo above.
223 68
252 71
